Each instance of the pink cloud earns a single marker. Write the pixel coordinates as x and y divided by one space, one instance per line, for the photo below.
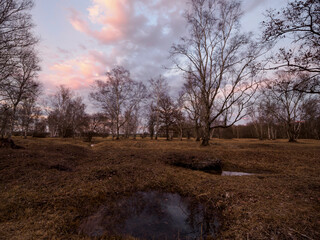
78 23
76 73
113 13
112 17
112 21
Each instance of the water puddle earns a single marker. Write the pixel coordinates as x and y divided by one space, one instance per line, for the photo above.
227 173
153 215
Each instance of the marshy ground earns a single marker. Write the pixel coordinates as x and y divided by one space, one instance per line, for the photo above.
51 187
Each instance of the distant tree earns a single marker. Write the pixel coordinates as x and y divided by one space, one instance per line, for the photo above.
158 88
179 117
192 103
268 107
255 115
167 112
262 116
28 114
152 120
289 103
117 96
299 21
311 117
40 128
221 60
96 125
67 116
5 114
132 123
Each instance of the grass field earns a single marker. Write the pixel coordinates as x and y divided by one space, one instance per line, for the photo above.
51 186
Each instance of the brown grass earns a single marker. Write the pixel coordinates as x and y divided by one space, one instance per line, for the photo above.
282 201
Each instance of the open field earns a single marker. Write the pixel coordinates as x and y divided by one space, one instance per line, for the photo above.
49 188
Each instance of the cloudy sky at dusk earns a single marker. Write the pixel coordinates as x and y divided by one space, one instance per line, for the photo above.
82 39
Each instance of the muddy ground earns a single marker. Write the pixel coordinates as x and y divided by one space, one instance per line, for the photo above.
49 188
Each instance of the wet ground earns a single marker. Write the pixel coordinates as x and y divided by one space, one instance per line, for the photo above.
153 215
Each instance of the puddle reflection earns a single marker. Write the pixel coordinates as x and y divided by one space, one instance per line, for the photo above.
227 173
153 215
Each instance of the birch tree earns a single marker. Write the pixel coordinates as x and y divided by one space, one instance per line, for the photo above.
221 60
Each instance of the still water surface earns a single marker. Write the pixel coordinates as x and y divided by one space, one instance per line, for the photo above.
153 215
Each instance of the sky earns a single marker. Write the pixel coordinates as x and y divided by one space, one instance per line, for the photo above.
80 40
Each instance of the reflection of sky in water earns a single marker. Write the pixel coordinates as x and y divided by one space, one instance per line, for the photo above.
154 215
164 215
226 173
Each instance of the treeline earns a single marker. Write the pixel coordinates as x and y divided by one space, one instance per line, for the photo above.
224 71
130 109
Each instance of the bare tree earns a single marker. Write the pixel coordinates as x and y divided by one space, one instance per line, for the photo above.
118 95
5 114
221 60
257 120
299 21
15 35
267 108
18 60
263 118
179 116
22 83
96 125
159 87
167 112
28 114
289 103
132 123
67 116
311 117
152 120
192 103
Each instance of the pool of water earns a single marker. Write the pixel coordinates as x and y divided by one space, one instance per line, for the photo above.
153 215
227 173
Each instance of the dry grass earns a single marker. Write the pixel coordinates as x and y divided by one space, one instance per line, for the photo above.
38 201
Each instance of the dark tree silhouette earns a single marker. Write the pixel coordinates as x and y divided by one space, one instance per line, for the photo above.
299 21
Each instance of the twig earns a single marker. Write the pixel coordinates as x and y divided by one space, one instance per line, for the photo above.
303 235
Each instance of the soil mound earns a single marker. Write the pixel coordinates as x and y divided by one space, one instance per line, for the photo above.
9 143
195 161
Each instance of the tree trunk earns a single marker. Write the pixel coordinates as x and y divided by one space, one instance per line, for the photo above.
293 131
206 136
181 133
197 132
205 141
26 132
13 119
118 134
291 134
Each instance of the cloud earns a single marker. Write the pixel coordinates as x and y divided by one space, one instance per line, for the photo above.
136 34
140 21
78 72
78 22
106 20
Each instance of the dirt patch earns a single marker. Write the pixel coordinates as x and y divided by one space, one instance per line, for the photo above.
61 168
